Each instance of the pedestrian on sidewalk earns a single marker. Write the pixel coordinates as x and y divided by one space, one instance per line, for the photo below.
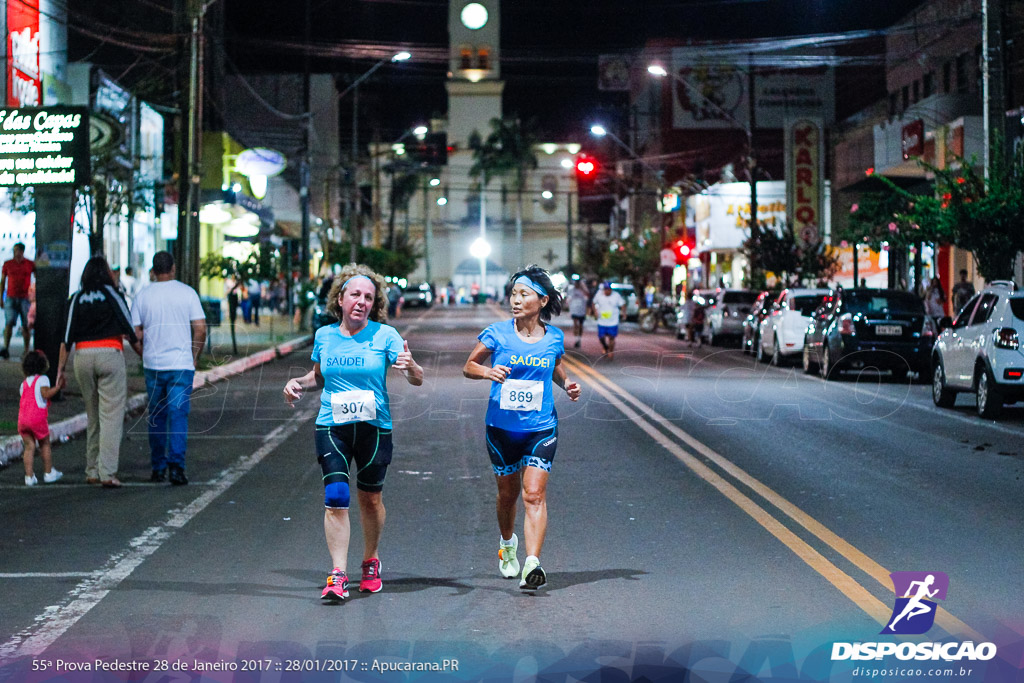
353 428
98 322
34 416
522 425
254 289
935 299
170 322
15 278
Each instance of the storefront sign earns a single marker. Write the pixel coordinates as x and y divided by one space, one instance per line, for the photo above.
261 161
722 214
804 174
913 139
24 85
44 146
713 91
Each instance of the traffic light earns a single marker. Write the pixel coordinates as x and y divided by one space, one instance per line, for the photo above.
586 170
683 250
431 151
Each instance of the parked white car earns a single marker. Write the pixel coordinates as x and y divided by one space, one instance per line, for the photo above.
980 352
781 334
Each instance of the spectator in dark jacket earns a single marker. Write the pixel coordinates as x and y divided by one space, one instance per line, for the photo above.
98 321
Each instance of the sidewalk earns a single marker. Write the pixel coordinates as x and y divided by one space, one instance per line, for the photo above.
275 336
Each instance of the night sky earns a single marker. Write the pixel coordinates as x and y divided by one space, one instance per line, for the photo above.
549 47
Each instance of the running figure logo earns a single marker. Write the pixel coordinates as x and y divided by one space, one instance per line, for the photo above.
914 611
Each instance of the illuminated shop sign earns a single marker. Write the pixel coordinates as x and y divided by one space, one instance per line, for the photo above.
47 146
24 85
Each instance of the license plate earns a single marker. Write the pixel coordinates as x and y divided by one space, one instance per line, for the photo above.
889 330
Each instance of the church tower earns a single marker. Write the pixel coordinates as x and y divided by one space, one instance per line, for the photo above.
474 68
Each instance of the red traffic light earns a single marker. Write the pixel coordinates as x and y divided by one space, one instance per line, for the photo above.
683 251
586 168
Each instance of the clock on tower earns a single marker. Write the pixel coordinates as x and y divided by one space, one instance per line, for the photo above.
474 40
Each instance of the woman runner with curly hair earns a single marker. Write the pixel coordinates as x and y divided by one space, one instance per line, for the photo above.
353 428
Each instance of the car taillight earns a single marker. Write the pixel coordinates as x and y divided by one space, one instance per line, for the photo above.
846 324
1005 338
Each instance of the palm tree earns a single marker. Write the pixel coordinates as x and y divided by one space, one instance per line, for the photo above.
508 151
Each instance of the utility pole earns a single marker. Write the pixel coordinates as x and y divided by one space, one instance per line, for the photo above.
355 234
305 171
568 228
751 159
186 247
992 79
428 229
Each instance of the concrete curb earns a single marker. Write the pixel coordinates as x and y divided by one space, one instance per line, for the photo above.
10 446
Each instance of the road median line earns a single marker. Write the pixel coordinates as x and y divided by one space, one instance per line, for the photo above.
605 387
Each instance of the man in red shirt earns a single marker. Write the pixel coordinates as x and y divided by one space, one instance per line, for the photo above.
14 284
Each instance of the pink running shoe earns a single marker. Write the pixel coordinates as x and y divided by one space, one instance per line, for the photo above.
371 577
336 589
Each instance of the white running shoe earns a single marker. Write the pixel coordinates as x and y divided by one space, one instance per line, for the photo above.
508 563
533 575
31 481
52 476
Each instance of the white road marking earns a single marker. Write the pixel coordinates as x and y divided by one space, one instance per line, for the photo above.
46 575
55 620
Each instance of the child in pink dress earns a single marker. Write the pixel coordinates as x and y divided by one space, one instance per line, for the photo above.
33 416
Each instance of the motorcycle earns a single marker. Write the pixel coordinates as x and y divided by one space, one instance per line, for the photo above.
663 313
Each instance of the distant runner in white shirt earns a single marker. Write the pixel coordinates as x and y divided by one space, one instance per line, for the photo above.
607 307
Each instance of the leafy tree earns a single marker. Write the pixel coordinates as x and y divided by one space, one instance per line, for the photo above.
593 254
404 183
777 251
983 217
508 151
635 258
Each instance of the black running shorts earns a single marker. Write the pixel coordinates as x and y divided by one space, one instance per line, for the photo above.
369 446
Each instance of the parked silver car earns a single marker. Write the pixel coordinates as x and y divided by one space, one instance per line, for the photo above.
726 315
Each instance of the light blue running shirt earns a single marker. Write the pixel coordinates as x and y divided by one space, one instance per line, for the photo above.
530 364
359 362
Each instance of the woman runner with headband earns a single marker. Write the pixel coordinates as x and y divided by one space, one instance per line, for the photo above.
522 425
350 364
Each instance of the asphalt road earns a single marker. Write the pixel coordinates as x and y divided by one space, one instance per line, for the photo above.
708 515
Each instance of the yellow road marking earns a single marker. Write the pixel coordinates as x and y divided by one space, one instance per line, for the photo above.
836 576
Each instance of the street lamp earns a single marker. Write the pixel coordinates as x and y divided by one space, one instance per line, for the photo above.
354 89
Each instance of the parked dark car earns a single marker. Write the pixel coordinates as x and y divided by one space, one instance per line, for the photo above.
752 323
886 329
321 316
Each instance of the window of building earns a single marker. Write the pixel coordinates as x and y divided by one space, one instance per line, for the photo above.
928 84
904 98
917 91
947 77
466 58
483 58
961 73
892 104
